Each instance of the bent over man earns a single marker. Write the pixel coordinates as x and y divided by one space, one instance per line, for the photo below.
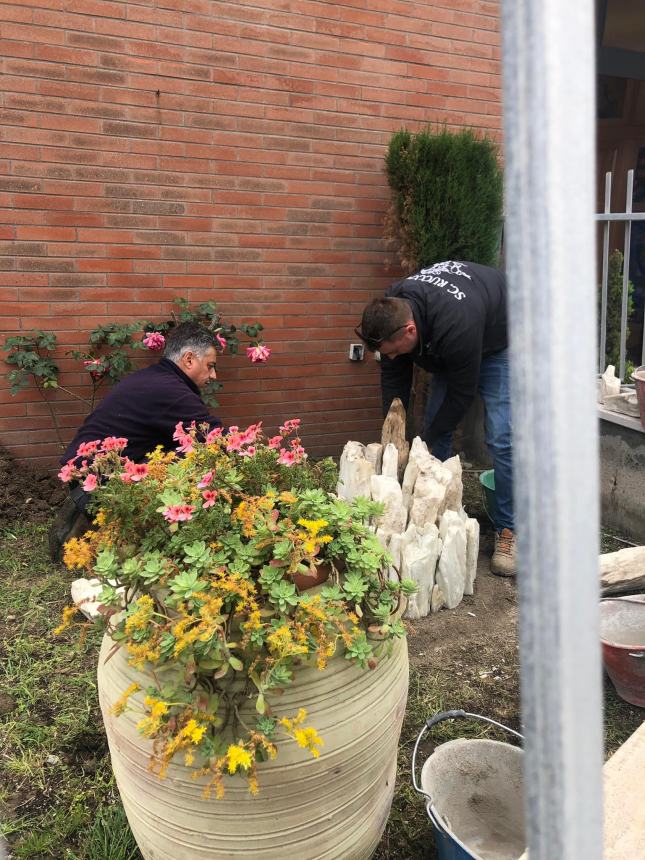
450 319
145 408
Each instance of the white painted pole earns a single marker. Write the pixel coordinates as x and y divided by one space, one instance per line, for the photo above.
549 119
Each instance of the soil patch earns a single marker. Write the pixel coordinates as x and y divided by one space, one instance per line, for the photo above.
25 493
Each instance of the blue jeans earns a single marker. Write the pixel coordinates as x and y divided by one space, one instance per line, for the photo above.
494 387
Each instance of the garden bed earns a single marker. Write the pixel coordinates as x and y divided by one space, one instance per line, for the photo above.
58 798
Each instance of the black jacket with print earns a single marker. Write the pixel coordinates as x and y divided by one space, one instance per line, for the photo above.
460 312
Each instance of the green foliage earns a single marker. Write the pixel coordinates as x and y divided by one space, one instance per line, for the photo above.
446 198
30 354
614 312
111 348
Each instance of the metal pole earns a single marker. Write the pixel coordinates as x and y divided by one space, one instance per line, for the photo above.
605 277
549 144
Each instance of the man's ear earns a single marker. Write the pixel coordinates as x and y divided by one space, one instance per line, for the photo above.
187 358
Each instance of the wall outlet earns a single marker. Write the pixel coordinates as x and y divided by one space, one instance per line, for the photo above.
356 352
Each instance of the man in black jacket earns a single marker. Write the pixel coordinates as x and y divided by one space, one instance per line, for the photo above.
144 408
450 319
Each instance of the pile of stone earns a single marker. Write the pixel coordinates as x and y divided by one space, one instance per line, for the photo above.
424 527
615 396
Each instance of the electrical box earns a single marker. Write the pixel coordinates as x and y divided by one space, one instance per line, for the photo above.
356 352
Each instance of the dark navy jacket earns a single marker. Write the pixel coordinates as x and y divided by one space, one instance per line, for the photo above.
145 407
460 313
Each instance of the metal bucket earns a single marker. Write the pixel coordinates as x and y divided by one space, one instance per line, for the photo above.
474 791
487 482
622 634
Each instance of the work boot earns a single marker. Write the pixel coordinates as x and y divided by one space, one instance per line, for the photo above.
504 560
70 522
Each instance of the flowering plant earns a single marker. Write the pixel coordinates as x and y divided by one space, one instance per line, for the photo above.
226 565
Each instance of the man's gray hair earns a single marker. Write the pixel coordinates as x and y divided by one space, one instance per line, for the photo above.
189 336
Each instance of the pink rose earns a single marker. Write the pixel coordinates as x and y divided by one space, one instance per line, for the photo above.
209 497
90 483
221 341
96 367
155 341
258 354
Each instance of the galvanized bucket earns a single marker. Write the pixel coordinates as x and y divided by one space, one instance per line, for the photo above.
474 792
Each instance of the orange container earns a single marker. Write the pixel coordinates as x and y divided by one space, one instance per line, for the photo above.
639 381
622 633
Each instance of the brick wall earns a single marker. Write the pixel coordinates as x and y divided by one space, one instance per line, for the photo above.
227 151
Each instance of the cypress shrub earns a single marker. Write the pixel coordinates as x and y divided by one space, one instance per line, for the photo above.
614 313
446 198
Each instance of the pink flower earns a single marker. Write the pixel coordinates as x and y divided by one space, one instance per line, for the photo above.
90 483
96 367
185 440
275 442
86 449
134 472
258 354
251 433
209 497
221 341
114 443
67 472
205 481
234 442
290 425
178 513
286 458
213 435
154 340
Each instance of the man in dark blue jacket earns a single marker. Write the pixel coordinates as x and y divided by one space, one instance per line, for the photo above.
450 319
145 408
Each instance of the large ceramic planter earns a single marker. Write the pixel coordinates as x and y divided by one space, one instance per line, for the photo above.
331 808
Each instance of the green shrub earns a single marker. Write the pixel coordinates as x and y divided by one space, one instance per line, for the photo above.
446 198
614 312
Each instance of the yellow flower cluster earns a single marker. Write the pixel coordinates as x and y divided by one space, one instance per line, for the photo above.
150 725
311 540
68 613
158 463
281 643
306 737
121 703
142 653
238 758
142 617
78 553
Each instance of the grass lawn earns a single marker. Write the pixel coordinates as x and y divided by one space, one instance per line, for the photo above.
57 795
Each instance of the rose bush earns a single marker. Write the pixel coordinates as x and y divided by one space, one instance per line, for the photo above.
206 554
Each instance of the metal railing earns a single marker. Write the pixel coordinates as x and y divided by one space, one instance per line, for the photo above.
628 216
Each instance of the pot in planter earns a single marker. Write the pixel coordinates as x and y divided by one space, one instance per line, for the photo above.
249 713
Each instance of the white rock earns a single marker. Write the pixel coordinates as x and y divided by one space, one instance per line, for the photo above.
85 595
354 472
374 455
437 599
451 570
626 403
388 491
390 464
455 490
449 518
419 551
427 500
418 454
472 552
609 385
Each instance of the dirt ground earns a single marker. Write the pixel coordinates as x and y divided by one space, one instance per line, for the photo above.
26 493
